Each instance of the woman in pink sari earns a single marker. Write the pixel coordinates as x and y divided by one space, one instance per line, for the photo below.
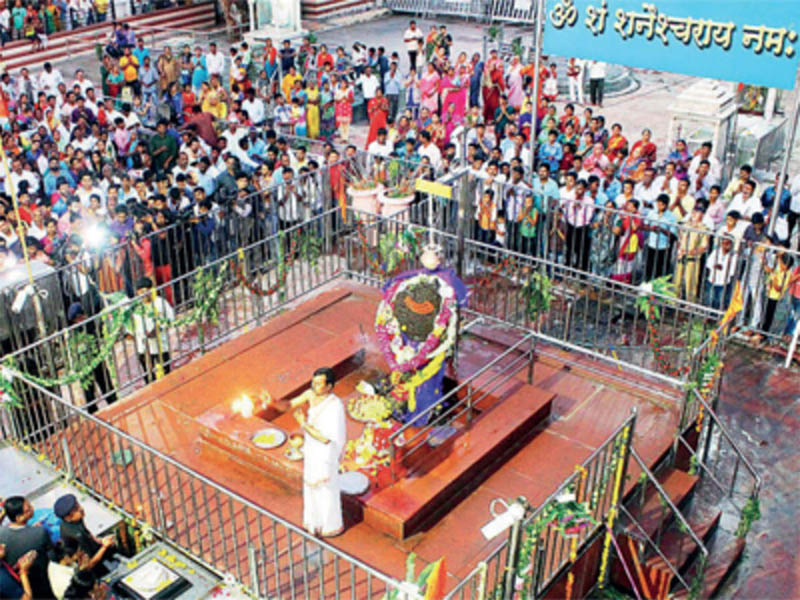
429 88
597 161
454 93
450 121
515 84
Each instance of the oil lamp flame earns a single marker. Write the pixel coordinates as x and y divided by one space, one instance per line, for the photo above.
243 406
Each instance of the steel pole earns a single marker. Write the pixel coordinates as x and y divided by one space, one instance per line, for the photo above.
787 154
21 233
537 56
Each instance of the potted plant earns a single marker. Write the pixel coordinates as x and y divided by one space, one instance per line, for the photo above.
364 193
396 199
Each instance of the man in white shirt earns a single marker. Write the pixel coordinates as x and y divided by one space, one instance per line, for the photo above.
430 150
233 134
49 79
597 81
380 146
721 266
369 84
646 190
215 62
254 107
87 189
745 202
736 184
667 183
715 168
81 81
411 38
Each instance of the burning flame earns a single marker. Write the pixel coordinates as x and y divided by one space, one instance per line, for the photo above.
243 406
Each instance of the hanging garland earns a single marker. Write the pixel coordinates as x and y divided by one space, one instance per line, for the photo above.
612 511
207 287
283 270
121 318
646 303
566 515
538 295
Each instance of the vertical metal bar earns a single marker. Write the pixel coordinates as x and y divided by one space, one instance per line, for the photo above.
275 562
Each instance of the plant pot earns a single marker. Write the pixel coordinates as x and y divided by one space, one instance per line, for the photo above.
390 206
366 200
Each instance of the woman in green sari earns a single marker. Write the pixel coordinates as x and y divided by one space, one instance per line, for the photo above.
328 106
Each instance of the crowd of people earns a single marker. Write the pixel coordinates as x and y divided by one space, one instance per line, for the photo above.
49 552
207 138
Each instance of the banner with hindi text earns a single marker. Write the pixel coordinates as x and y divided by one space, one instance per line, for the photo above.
750 41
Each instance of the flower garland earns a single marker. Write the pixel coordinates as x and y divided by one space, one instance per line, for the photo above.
567 515
400 354
283 270
612 511
120 318
647 304
207 287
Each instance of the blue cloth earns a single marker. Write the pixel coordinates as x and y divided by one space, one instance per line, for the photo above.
49 522
9 586
768 199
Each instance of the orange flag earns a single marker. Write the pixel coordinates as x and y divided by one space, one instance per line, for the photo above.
735 306
434 587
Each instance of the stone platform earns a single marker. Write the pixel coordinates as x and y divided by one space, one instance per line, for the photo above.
538 434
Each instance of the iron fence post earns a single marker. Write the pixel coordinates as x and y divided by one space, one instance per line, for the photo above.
511 560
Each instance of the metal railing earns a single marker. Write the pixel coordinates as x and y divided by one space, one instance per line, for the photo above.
723 466
482 10
497 576
255 282
666 517
269 555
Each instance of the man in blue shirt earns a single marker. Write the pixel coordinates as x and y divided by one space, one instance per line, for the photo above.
768 199
140 51
661 224
550 152
393 87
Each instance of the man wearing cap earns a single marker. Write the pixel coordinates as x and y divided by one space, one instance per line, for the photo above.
68 509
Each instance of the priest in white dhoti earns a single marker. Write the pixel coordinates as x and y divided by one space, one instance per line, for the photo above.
325 437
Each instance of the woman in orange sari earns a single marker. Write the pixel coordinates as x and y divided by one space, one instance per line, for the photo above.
378 113
616 143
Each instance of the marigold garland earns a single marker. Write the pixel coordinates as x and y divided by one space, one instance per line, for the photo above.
612 511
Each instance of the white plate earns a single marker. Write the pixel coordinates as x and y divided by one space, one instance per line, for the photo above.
277 437
353 483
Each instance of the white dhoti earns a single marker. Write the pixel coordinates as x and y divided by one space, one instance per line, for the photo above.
322 502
